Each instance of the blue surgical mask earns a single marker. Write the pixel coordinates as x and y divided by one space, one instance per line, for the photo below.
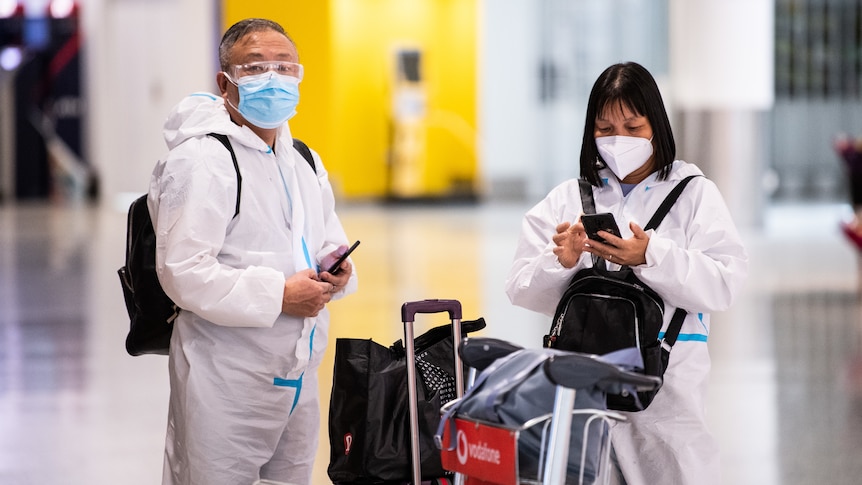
267 100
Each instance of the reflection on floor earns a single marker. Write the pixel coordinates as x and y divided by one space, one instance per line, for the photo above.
75 409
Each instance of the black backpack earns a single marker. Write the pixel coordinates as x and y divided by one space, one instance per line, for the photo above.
151 312
602 311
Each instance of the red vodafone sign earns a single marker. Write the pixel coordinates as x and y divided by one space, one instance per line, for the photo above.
484 453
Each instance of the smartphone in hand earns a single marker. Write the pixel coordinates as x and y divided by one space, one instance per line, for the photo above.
593 223
335 267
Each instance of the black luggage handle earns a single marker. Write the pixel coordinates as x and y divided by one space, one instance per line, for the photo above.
411 308
480 352
408 314
576 370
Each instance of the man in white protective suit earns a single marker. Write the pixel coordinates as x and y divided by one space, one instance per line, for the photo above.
251 284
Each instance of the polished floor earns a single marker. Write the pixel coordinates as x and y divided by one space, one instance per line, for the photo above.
75 409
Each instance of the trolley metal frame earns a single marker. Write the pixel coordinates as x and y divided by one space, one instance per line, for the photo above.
556 434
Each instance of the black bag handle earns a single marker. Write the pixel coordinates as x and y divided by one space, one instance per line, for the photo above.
435 335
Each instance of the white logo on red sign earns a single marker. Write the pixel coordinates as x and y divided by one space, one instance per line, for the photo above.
462 447
478 451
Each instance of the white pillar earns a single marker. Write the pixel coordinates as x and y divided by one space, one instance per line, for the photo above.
722 71
141 59
722 88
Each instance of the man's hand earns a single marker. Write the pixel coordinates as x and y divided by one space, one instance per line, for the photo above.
342 276
305 295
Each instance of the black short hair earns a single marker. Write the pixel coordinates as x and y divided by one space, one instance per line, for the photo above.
629 85
239 30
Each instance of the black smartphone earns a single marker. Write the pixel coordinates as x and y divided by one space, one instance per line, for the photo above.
334 269
593 223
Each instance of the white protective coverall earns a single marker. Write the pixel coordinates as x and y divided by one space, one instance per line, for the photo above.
695 260
244 396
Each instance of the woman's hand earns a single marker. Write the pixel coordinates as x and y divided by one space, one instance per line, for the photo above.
570 242
626 252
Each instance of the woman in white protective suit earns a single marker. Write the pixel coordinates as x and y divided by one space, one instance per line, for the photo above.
253 327
695 260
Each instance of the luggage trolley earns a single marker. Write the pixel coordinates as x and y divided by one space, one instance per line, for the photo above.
498 463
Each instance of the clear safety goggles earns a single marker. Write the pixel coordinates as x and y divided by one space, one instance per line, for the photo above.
284 68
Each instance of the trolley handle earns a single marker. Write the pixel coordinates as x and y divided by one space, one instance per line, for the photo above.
411 308
576 371
480 352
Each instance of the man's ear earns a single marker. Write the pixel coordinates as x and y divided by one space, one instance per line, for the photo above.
222 82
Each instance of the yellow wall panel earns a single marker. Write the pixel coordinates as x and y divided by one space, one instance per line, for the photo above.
348 50
308 25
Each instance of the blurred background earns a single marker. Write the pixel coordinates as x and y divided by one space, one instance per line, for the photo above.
440 123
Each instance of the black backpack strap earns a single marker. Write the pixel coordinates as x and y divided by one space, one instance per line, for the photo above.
303 150
587 201
226 142
589 206
673 328
675 325
668 202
